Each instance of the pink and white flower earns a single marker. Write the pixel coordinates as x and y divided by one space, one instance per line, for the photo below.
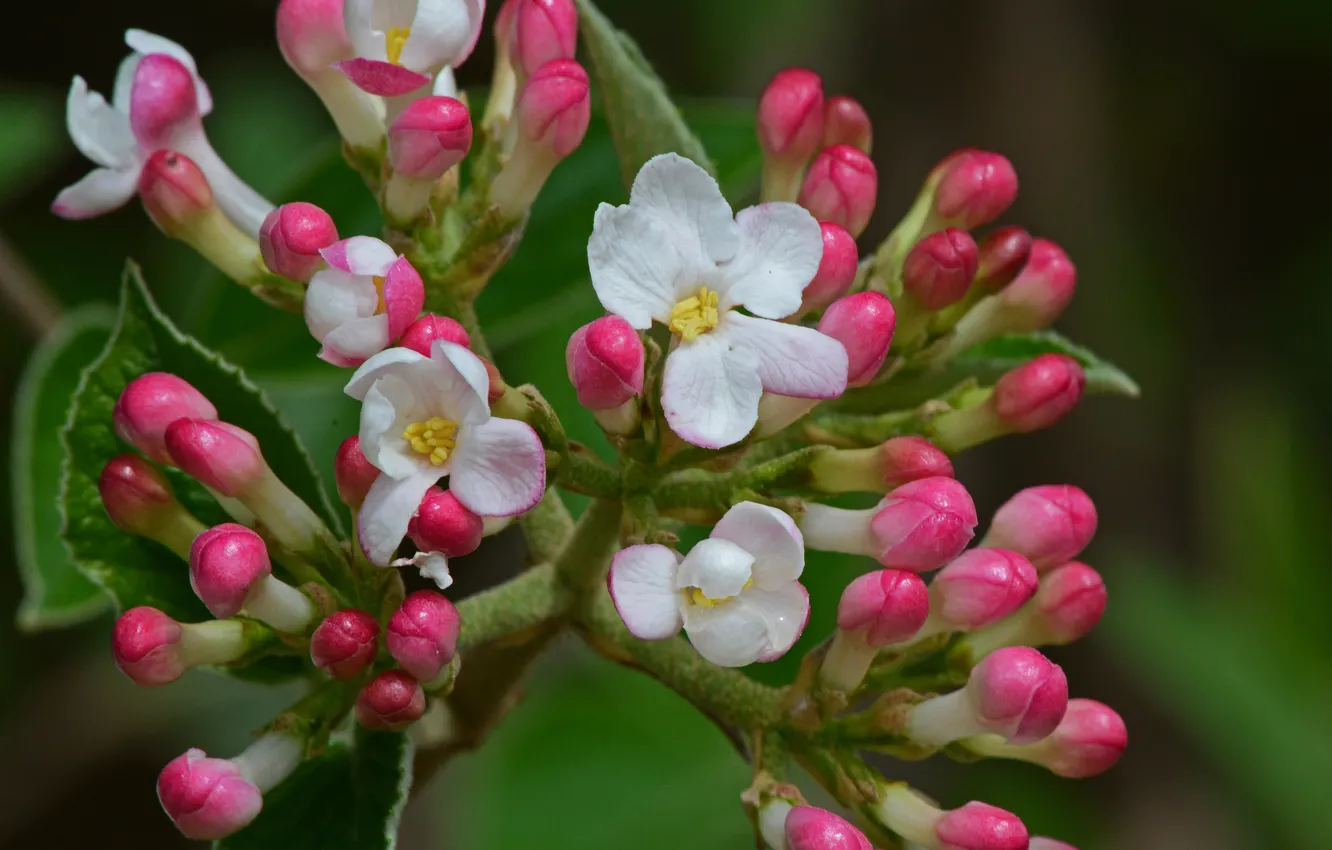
736 593
401 45
676 255
424 418
367 297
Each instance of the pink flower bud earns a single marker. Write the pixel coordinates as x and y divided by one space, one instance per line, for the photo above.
906 459
981 587
555 107
149 404
845 122
863 323
225 562
923 525
837 268
291 238
1040 843
312 34
841 187
1088 741
940 268
605 363
423 634
790 117
216 454
543 30
1039 393
1003 254
393 700
163 99
146 646
429 137
425 330
442 524
891 604
980 826
497 385
174 191
136 495
976 188
345 643
810 828
353 472
1043 288
1018 693
207 798
1070 602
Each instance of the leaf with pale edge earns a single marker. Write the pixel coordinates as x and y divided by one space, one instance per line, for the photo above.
1008 352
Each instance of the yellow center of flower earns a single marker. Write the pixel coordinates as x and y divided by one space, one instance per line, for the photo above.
382 307
698 597
696 314
434 438
394 41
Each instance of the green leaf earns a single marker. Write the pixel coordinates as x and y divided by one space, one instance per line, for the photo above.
350 797
1008 352
26 155
57 594
643 120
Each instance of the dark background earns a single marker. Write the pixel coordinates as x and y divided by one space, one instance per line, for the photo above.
1176 149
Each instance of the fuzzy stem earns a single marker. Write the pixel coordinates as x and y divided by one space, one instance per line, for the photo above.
519 604
586 558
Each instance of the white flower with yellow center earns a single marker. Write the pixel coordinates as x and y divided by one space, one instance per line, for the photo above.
402 44
736 594
675 254
424 418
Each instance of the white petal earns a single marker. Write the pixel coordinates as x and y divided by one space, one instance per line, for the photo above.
402 362
441 34
369 256
770 536
246 208
730 635
445 84
388 508
367 40
120 95
359 339
780 249
717 567
792 360
145 42
100 191
684 197
642 586
433 566
335 298
636 265
460 384
710 393
498 468
389 407
784 610
99 132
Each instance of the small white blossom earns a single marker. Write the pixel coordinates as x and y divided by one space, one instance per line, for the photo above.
401 45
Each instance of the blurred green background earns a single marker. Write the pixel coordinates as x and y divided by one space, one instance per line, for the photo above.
1169 146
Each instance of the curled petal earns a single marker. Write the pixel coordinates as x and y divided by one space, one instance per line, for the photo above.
360 255
100 191
99 132
642 586
385 79
771 537
388 508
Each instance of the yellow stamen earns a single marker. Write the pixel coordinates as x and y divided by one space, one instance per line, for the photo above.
696 314
435 438
382 307
698 597
394 41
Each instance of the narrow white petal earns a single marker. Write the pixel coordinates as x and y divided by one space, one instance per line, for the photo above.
402 362
717 567
99 132
433 566
784 610
388 508
120 95
498 468
389 407
642 586
780 249
684 197
335 298
770 536
246 208
792 360
710 393
728 635
446 85
460 385
100 191
636 265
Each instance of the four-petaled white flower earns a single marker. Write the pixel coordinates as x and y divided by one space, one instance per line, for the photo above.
423 418
736 593
674 254
402 44
363 301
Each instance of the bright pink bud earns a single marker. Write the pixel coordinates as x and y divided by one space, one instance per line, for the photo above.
605 363
149 404
1003 254
353 472
216 454
923 525
291 238
976 189
1018 693
980 826
225 562
312 34
863 323
429 137
845 122
136 495
555 106
207 798
146 646
940 268
1050 524
837 268
1070 602
1040 843
841 187
423 634
425 330
891 604
1044 287
790 117
163 99
1088 741
906 459
1040 392
345 643
442 524
174 191
543 30
810 828
981 587
393 700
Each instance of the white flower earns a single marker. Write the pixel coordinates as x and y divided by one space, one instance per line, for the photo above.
675 255
423 418
736 593
364 300
402 44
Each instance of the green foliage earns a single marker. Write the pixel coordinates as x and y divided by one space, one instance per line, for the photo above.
993 358
25 155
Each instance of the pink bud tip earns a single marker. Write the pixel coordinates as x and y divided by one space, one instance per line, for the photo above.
1019 694
1003 254
442 524
1088 741
605 363
906 459
216 454
312 34
1039 843
345 643
393 700
845 122
841 187
423 634
1046 284
923 525
134 493
291 238
976 189
162 99
1070 602
1040 392
149 404
863 323
543 30
790 116
207 798
810 828
353 472
173 190
429 137
555 106
891 604
983 586
837 268
225 562
940 268
497 385
146 646
425 330
980 826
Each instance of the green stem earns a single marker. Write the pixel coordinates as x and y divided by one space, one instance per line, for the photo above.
586 557
533 598
547 527
581 471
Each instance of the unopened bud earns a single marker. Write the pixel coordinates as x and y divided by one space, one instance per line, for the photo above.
876 609
1015 692
230 572
982 586
975 189
209 799
345 643
1033 396
1088 741
841 186
423 634
1003 254
152 649
312 36
810 828
1050 524
845 122
863 323
174 192
149 404
496 388
790 130
429 137
543 30
425 330
940 268
216 454
552 115
442 524
291 238
353 472
605 361
837 269
1068 605
163 101
878 469
974 826
393 700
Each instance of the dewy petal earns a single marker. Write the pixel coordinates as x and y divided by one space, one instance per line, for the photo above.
642 586
710 393
732 634
367 40
681 195
717 567
785 611
336 297
388 409
388 508
770 536
442 33
459 384
143 42
401 362
99 132
364 255
636 265
356 341
498 468
792 360
100 191
780 249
